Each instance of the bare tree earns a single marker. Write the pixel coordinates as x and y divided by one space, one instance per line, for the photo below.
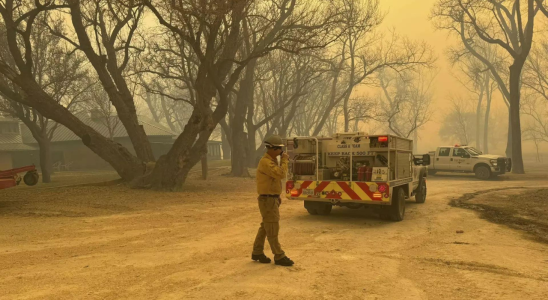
284 84
20 19
478 81
56 71
398 54
405 102
308 24
102 110
535 111
115 41
459 123
535 74
503 23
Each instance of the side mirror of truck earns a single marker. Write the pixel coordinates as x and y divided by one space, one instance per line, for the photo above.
426 160
421 160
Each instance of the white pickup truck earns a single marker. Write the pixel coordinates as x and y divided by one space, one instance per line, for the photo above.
467 159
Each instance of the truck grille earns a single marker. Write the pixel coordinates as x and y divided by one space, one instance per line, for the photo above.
501 165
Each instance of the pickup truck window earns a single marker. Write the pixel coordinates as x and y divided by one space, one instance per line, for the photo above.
444 151
459 152
473 151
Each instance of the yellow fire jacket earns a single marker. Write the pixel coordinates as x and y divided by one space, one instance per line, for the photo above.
270 175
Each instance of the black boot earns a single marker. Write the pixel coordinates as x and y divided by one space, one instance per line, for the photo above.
286 262
263 259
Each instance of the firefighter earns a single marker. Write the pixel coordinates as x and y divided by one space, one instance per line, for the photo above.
269 188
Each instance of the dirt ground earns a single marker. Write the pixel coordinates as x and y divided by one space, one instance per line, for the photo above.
111 242
522 208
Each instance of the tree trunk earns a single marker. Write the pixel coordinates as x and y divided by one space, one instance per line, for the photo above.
114 84
517 157
239 139
486 118
252 147
225 144
167 115
478 118
346 113
151 107
239 147
46 164
356 125
204 167
126 164
509 136
330 106
251 144
171 170
415 141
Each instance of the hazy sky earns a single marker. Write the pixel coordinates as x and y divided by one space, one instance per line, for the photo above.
411 18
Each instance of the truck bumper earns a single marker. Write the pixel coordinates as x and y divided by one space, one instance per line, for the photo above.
503 165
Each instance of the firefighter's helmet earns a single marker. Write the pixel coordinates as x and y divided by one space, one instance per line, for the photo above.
274 141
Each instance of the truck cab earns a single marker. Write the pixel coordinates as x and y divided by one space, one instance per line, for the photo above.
466 159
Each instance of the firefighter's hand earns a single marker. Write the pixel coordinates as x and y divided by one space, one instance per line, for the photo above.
279 201
285 156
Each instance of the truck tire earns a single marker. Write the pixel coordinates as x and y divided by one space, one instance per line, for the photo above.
420 196
431 172
396 210
318 208
31 178
324 209
483 172
311 207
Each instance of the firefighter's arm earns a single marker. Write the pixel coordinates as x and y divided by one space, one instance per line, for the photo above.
271 169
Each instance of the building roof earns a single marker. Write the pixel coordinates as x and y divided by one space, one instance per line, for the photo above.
6 119
16 147
25 141
63 134
10 138
13 142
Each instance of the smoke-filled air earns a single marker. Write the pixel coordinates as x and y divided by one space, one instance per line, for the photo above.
273 149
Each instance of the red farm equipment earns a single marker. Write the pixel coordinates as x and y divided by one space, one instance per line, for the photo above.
11 178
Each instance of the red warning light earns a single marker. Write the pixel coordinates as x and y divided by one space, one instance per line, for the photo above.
383 139
289 185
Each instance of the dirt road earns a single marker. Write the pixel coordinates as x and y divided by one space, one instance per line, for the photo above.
116 243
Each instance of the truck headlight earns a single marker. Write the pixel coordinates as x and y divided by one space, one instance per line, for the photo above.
494 162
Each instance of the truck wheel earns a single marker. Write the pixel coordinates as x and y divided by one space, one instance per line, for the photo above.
420 196
431 172
324 208
311 207
483 173
31 178
396 210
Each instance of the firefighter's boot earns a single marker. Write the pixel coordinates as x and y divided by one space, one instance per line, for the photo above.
286 262
263 259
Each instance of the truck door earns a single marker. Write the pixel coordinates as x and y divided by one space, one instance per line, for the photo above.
442 162
461 159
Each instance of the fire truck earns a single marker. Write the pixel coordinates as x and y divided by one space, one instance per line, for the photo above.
355 170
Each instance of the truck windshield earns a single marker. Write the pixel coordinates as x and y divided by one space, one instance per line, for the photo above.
473 151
